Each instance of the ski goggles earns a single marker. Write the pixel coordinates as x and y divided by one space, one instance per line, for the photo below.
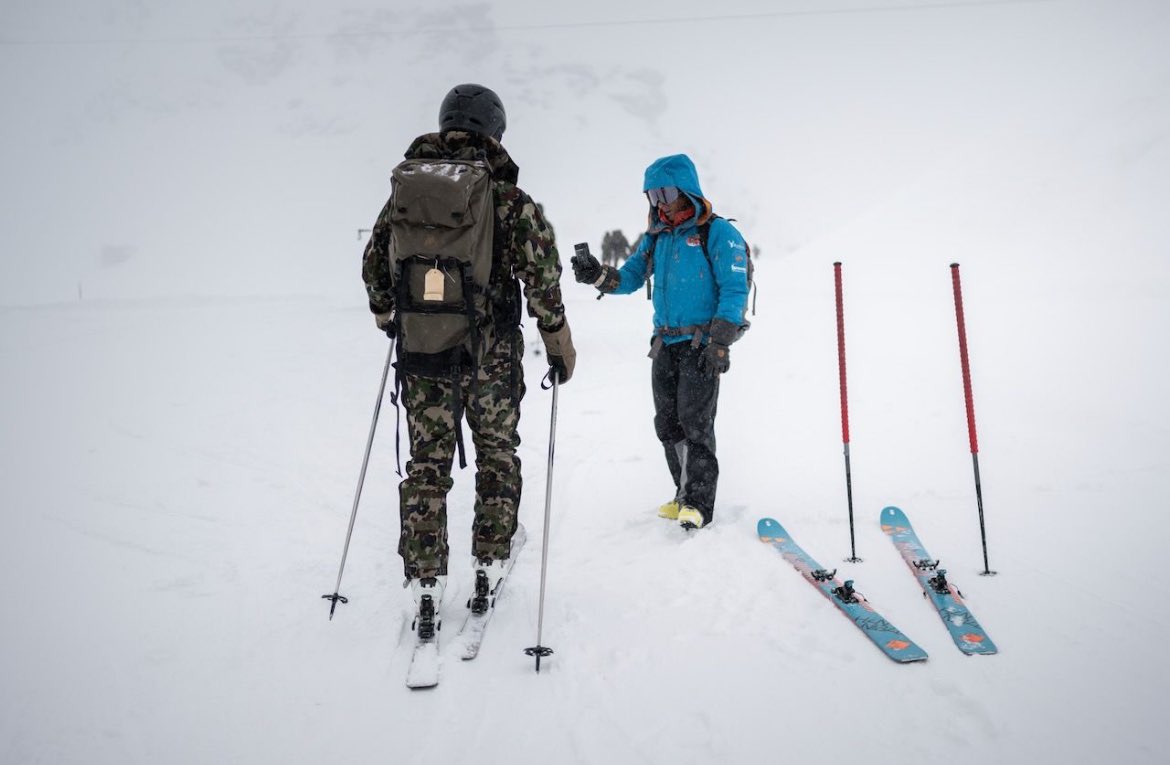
663 195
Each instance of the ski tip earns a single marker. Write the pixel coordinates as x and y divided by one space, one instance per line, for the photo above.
977 644
893 517
769 529
422 685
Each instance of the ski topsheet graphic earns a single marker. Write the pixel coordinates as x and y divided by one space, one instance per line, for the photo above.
852 603
967 633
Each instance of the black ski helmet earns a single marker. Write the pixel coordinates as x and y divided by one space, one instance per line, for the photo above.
475 108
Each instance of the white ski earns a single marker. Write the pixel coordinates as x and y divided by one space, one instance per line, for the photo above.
424 665
424 662
471 636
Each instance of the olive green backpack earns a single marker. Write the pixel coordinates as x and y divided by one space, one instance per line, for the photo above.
442 221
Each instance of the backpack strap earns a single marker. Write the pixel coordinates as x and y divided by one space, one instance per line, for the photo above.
469 292
704 237
650 265
394 396
457 412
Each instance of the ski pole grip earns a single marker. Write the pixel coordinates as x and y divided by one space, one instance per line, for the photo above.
962 326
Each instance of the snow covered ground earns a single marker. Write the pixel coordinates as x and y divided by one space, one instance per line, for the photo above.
180 448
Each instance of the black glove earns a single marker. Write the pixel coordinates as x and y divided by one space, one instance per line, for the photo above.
586 269
386 323
716 359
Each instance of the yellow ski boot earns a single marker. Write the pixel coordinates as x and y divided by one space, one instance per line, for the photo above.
669 510
690 518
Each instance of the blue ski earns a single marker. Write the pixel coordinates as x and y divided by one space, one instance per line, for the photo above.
967 633
852 603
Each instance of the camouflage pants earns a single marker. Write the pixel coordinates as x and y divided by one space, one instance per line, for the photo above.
493 414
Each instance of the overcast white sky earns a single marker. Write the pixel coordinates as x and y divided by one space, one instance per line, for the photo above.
228 148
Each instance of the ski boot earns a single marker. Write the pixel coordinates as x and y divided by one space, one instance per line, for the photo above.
428 594
669 511
690 518
488 573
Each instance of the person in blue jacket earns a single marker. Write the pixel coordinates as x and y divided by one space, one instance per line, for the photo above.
698 264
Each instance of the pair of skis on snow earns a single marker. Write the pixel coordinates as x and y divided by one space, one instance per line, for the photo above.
425 661
967 633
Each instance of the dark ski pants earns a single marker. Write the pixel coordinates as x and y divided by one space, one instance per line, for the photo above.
685 399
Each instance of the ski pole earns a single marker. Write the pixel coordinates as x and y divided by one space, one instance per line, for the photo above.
958 289
844 408
337 597
540 651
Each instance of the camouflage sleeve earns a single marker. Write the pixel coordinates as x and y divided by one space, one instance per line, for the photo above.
536 262
376 265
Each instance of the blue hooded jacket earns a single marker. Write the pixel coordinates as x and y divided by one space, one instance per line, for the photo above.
689 290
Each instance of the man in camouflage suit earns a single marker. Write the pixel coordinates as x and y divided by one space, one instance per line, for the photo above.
472 123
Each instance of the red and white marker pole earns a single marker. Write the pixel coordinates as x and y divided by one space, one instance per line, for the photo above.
844 407
958 288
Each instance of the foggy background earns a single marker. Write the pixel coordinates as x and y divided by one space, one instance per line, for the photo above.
231 148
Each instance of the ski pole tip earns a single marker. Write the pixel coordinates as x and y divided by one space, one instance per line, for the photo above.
539 651
335 598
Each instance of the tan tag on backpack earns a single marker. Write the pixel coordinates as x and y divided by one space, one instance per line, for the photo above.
433 285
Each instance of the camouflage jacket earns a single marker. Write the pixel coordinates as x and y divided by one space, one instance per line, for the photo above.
524 243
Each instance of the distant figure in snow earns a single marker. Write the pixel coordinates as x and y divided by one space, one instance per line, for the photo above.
698 263
615 248
456 360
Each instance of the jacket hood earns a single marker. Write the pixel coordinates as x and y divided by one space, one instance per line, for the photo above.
461 144
676 170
